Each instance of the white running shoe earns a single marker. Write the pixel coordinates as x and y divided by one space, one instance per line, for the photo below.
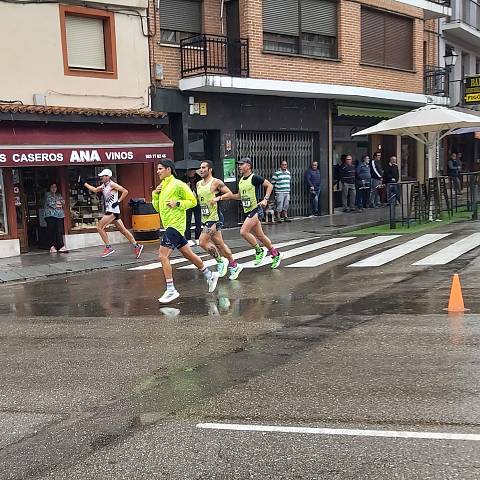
222 267
212 282
169 296
191 243
235 271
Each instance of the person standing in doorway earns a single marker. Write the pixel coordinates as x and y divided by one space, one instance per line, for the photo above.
282 181
211 191
376 172
110 191
363 181
250 188
347 176
54 216
171 199
454 168
192 180
391 177
313 181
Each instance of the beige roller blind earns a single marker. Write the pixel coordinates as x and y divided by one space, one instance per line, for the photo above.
85 42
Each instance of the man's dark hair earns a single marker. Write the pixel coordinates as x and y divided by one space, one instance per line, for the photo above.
377 153
209 163
167 163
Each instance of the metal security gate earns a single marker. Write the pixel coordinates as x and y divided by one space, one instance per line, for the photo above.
268 149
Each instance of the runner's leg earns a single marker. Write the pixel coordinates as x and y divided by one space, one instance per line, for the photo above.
125 232
258 232
222 247
210 277
102 225
207 245
246 229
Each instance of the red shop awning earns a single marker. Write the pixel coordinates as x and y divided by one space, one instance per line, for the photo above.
67 144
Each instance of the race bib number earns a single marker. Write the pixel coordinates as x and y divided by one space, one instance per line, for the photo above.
246 202
205 210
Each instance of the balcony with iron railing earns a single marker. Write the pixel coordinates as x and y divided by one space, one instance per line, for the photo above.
464 23
214 55
436 81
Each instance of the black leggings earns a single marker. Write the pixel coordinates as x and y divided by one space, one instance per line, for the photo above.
55 232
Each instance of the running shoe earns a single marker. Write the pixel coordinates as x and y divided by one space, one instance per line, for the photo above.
235 271
107 251
276 261
222 267
191 243
259 257
53 250
169 296
138 250
212 282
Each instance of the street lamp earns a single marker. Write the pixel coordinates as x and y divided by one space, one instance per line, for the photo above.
450 58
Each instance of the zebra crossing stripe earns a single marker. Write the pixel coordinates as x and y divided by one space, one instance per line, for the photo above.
250 252
300 251
155 265
343 252
451 252
400 250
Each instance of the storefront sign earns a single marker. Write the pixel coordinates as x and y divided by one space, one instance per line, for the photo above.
229 170
55 156
472 90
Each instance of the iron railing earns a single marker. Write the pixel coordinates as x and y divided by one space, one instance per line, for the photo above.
214 55
468 12
435 81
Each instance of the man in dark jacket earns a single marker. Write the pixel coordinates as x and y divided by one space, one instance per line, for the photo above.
391 177
347 176
454 167
376 172
312 179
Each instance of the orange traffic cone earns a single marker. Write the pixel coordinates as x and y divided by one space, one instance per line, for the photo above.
455 304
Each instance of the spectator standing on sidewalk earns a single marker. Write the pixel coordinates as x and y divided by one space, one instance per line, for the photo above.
454 167
391 177
363 181
282 181
192 180
313 181
376 172
347 176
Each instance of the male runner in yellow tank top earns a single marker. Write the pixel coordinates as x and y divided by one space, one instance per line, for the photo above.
250 188
210 191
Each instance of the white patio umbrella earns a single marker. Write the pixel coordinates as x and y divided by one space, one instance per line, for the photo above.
427 125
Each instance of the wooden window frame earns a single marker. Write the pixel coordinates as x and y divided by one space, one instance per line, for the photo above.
108 19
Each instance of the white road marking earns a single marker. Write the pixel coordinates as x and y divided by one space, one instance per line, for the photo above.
343 252
400 250
341 431
153 266
451 252
300 251
250 253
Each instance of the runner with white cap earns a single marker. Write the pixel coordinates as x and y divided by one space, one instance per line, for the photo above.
110 192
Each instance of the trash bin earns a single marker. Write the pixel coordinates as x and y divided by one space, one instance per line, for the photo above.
145 221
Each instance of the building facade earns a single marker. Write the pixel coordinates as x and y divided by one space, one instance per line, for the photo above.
75 98
292 79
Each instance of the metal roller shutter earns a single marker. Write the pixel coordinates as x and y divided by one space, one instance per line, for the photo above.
85 42
373 36
281 17
181 15
398 42
319 17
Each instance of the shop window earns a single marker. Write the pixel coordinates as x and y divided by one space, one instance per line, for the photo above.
88 42
3 207
86 208
179 19
306 27
387 40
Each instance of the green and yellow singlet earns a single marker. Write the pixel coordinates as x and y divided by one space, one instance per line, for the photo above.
205 196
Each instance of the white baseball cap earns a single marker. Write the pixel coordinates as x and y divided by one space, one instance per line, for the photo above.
106 171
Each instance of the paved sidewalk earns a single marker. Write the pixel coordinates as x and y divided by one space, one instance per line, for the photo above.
38 265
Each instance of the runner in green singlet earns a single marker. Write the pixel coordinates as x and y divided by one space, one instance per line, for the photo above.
250 188
211 239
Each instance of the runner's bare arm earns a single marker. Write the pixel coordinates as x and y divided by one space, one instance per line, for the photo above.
123 191
92 188
269 189
225 192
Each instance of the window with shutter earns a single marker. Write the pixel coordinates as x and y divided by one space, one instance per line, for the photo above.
85 42
307 27
387 39
179 19
88 42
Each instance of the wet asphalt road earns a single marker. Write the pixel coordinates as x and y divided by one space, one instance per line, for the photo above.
99 383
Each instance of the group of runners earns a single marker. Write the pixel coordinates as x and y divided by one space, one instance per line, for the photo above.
172 198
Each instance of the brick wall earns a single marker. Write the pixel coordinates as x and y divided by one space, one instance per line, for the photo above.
282 67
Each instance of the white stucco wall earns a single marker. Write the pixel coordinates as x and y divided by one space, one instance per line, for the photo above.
31 60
